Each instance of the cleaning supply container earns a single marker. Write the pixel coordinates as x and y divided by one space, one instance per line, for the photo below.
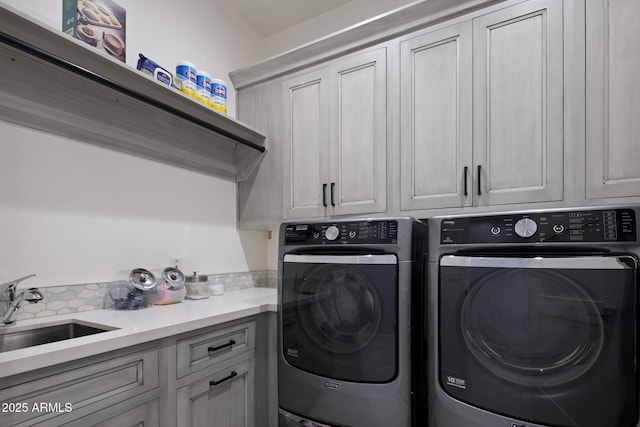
186 78
197 286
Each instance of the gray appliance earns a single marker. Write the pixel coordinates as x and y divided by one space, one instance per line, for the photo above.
350 323
535 317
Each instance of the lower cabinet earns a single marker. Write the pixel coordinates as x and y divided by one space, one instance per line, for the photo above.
215 375
221 398
207 377
77 392
142 415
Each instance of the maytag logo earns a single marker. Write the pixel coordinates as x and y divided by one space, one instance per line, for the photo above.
333 385
518 425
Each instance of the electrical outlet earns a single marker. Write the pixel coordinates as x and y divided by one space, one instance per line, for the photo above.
176 262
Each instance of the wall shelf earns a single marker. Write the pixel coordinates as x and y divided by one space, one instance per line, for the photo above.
52 82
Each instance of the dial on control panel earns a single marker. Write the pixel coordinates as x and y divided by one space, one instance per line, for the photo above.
332 232
526 227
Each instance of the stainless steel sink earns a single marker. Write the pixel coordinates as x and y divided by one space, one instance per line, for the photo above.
12 339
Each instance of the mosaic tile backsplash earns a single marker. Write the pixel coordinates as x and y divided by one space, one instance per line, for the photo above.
93 296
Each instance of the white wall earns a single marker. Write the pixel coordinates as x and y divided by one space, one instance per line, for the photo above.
76 213
349 14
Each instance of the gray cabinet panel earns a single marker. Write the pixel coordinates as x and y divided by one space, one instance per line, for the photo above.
227 404
306 139
143 415
435 97
518 103
86 386
206 349
335 143
358 142
260 175
613 98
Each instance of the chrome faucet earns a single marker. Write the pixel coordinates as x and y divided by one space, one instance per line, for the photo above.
14 300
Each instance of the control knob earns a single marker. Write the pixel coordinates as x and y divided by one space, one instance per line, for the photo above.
332 232
526 227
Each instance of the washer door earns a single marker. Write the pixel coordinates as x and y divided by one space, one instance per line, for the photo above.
540 339
534 328
340 315
339 308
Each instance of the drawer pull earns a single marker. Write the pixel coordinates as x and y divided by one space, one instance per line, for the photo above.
227 378
220 347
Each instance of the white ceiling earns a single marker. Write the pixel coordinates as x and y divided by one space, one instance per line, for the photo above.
273 16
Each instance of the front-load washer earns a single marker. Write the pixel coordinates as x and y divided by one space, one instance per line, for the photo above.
350 323
535 317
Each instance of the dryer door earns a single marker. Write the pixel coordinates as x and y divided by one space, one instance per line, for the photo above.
340 315
548 340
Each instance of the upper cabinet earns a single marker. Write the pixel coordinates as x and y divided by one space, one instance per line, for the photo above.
52 82
336 138
521 104
480 124
518 104
613 98
435 121
306 141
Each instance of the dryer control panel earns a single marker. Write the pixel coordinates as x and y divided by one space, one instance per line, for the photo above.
344 232
608 225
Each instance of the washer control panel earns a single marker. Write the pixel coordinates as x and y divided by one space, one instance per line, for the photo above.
613 225
347 232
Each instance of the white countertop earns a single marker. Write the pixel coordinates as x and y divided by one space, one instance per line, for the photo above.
134 327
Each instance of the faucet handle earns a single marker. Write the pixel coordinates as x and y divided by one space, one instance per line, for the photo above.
12 284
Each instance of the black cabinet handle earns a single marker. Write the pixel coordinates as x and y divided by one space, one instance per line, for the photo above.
324 195
227 378
220 347
466 171
333 187
479 180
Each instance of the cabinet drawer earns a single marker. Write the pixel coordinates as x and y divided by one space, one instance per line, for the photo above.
74 391
223 398
120 415
200 351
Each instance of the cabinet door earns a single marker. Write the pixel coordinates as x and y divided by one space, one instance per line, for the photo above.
229 403
144 415
613 98
518 104
306 139
88 385
358 141
435 119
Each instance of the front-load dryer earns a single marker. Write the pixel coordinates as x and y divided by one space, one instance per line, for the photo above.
535 319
